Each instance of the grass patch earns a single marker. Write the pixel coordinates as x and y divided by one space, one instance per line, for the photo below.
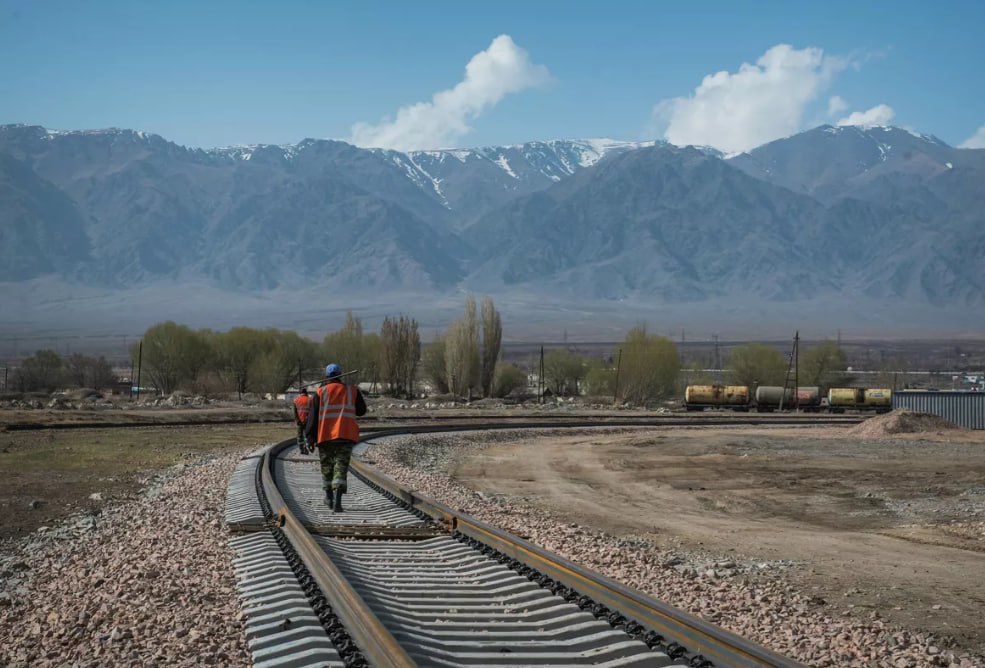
59 469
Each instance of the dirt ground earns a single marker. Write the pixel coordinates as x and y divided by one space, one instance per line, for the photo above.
893 527
49 474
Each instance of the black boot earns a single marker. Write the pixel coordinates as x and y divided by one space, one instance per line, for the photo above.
337 506
330 500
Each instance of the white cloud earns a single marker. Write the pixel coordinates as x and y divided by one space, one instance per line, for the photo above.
756 104
490 75
881 114
836 105
976 140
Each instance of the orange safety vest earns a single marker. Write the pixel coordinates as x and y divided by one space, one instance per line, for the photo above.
301 404
337 413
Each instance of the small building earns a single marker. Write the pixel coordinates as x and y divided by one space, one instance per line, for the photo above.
965 409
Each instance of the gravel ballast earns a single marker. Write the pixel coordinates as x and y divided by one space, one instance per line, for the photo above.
749 598
140 582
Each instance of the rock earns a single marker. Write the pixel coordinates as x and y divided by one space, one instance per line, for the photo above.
96 496
6 599
34 504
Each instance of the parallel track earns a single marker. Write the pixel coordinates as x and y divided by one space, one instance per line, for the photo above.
382 422
400 580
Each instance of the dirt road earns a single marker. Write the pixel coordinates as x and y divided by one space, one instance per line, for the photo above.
892 527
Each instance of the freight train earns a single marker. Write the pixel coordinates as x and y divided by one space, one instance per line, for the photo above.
768 398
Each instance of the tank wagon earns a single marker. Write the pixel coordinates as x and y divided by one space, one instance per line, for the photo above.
700 397
768 398
841 399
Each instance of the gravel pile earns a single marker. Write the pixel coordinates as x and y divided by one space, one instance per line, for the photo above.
901 421
760 606
145 582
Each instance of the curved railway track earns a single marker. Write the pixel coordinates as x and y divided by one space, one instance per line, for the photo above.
455 421
399 579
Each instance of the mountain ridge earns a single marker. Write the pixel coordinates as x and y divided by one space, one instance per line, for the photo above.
830 213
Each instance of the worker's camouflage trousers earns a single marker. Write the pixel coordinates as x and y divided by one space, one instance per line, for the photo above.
334 457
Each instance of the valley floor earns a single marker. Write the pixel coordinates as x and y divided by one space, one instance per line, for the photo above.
892 529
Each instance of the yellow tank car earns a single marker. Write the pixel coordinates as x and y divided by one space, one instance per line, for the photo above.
877 398
736 395
706 395
845 397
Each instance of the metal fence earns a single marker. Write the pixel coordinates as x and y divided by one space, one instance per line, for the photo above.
966 409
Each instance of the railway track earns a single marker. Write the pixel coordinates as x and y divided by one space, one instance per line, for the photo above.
454 421
399 579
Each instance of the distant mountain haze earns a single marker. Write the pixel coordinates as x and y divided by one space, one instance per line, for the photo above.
832 216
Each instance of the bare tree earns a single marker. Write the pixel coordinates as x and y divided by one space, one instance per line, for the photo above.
649 368
822 365
492 337
173 354
85 371
462 352
400 354
433 365
345 347
42 371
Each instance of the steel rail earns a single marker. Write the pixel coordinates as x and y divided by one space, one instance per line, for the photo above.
722 647
380 647
664 419
373 639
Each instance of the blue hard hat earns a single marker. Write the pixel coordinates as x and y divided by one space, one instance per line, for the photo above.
333 370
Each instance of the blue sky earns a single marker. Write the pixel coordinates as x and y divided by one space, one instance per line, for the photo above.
220 73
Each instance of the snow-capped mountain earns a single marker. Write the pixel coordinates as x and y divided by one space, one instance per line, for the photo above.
470 182
839 215
831 163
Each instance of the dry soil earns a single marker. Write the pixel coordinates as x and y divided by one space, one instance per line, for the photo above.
894 525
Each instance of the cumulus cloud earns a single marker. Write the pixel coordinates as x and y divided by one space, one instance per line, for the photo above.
836 105
490 75
881 114
976 140
736 111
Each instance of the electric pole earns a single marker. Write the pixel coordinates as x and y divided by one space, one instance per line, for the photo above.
718 360
615 392
796 371
140 360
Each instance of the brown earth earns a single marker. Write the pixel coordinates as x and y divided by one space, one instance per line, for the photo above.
49 474
893 527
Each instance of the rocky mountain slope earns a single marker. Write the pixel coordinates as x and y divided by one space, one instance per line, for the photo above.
834 214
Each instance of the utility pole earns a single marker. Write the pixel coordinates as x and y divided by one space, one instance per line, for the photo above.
615 392
140 360
718 360
299 373
540 378
796 370
131 377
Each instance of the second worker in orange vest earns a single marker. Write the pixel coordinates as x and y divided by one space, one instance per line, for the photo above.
332 427
301 418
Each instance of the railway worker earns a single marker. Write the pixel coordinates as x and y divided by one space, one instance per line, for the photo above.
332 427
301 418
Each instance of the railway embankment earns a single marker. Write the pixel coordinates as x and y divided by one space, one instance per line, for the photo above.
768 599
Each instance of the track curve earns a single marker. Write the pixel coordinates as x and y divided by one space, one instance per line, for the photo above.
399 579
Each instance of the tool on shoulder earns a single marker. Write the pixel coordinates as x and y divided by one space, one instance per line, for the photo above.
325 380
